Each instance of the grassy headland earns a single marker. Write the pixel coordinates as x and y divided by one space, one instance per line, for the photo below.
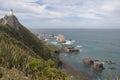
24 57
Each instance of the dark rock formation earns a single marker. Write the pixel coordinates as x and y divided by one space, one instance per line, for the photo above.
69 48
110 62
57 52
97 65
87 61
60 64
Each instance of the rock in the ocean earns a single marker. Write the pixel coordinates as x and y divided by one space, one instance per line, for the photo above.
41 37
110 62
69 48
97 65
60 38
87 61
51 35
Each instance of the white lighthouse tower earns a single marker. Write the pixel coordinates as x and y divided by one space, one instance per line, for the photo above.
10 13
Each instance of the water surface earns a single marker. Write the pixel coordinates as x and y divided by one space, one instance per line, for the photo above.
100 44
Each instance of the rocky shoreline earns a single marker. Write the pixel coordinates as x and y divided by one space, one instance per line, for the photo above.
97 65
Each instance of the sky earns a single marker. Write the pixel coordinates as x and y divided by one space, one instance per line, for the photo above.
64 13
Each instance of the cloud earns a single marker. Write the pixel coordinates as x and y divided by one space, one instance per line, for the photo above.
55 21
91 11
59 8
29 8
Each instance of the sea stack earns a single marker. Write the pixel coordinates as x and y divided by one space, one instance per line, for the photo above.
98 66
60 38
87 61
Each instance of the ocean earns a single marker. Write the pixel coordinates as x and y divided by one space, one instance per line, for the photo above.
99 44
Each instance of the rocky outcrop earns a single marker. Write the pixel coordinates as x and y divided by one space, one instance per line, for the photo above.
60 38
51 35
110 62
87 61
41 37
98 66
69 49
10 20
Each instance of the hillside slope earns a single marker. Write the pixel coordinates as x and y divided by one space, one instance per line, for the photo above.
24 35
23 56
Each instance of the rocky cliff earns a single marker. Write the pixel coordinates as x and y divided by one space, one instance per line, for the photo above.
11 21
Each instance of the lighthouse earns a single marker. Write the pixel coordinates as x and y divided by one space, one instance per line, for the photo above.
10 13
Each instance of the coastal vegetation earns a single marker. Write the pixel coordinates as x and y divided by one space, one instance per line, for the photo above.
24 57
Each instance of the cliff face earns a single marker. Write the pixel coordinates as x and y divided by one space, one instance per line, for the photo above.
23 55
10 20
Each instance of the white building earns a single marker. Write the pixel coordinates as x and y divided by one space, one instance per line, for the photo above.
10 13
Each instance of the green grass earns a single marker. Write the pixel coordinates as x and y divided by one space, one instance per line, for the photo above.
24 57
30 40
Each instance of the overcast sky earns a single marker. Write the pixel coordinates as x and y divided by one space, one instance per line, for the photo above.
64 13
